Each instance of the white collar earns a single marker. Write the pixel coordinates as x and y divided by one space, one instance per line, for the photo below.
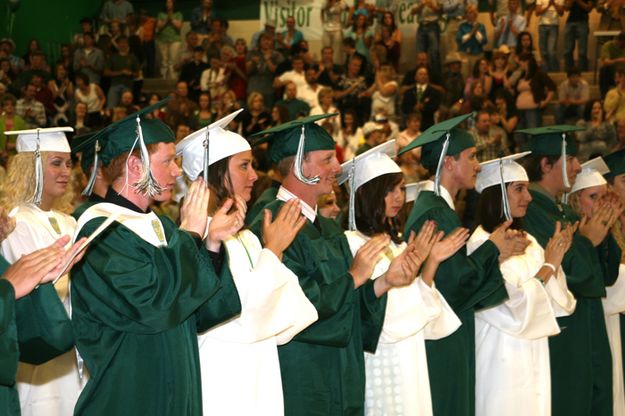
308 211
429 186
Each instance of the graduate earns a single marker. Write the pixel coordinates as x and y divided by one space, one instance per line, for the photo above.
397 376
615 295
323 366
145 286
39 199
239 359
589 191
581 365
467 282
537 294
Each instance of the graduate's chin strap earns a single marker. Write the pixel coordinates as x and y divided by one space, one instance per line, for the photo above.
504 193
146 185
94 172
205 165
565 177
439 167
352 197
38 174
299 160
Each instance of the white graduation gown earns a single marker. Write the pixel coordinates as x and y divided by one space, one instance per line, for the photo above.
613 306
239 359
52 388
397 381
512 349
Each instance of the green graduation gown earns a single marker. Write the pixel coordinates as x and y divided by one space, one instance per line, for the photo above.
137 309
322 368
581 369
266 197
467 283
9 350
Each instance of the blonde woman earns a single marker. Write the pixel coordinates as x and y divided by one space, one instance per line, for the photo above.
38 195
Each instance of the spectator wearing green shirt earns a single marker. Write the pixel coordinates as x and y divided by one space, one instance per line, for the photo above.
168 25
612 58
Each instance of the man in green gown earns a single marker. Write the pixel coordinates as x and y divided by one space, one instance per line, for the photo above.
323 367
145 287
581 369
467 282
43 327
97 185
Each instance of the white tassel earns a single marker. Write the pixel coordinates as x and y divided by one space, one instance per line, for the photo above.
299 158
504 194
565 177
94 171
352 198
38 176
146 185
439 167
206 149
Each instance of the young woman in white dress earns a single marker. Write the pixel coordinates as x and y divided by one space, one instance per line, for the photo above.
512 350
239 359
397 381
39 201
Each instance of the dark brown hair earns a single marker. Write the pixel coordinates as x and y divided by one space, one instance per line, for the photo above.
490 210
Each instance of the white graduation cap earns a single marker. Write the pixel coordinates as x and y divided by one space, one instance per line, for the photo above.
499 172
41 140
365 167
208 145
591 174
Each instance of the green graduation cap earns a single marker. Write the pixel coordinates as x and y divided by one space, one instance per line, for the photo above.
132 132
296 138
616 163
553 141
440 140
88 157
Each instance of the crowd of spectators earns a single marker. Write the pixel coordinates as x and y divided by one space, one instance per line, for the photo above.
455 69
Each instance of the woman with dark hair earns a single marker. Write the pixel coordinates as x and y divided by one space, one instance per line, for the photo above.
480 73
350 135
62 89
512 349
203 115
389 36
398 381
241 372
361 32
525 43
535 91
598 135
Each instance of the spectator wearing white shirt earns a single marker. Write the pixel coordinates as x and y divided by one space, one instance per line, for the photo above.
332 35
310 91
296 75
509 26
549 13
326 105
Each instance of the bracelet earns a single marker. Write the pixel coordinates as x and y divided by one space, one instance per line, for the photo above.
551 266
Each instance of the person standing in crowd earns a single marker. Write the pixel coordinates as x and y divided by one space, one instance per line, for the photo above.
29 109
414 312
509 26
537 293
332 35
422 98
261 66
467 282
576 30
535 91
549 12
122 67
168 40
581 376
323 366
428 32
241 371
118 300
598 135
115 10
201 17
573 94
89 59
612 61
92 95
614 104
471 35
40 206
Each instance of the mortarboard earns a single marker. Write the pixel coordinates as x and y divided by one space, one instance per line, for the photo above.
616 163
501 171
365 167
209 145
131 133
553 141
440 140
41 140
591 174
296 138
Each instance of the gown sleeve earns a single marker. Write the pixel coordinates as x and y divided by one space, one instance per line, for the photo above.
272 302
136 287
9 352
